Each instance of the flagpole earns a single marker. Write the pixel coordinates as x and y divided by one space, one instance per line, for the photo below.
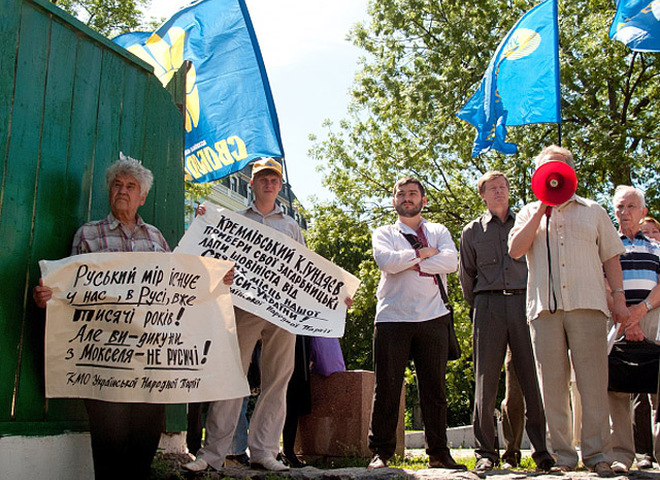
559 134
288 187
558 83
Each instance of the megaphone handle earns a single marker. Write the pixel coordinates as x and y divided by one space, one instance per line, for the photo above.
552 297
548 211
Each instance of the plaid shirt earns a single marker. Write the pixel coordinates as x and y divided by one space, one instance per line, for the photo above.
110 235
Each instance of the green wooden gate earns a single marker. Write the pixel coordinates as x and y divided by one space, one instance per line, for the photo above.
70 101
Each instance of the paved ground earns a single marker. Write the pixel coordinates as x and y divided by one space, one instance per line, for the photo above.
312 473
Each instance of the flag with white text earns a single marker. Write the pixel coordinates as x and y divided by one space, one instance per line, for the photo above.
230 116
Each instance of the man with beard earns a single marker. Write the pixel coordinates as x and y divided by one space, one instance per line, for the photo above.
412 322
494 285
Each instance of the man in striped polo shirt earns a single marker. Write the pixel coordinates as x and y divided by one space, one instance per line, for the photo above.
641 270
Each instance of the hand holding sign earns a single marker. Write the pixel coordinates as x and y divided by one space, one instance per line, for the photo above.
141 327
276 277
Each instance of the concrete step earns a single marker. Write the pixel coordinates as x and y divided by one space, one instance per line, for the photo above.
458 437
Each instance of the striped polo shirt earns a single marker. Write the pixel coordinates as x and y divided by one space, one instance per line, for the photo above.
641 267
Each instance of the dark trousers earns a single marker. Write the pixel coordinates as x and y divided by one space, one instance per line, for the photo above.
195 427
298 394
642 428
500 321
513 413
125 438
394 344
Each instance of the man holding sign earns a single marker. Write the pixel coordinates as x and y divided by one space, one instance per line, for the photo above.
277 359
124 435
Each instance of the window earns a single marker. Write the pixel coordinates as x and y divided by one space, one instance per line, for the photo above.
243 188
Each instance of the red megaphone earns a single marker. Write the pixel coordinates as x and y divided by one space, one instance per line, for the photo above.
554 182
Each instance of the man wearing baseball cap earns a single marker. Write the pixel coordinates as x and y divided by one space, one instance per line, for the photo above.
277 355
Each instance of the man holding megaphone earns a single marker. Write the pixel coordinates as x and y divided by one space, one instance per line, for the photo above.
567 306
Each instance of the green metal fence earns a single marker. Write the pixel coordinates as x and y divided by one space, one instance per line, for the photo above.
70 100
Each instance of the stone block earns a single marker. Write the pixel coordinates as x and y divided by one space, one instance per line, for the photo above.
338 425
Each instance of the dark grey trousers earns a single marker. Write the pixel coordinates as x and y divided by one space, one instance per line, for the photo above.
500 320
124 438
513 414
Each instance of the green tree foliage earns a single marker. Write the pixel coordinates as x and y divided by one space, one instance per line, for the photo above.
346 241
423 60
194 193
108 17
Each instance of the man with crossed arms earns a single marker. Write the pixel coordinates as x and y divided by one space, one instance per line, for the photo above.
412 321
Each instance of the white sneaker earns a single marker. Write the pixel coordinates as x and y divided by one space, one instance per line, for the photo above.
619 467
197 465
268 463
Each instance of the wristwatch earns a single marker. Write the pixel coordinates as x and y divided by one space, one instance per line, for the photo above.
649 305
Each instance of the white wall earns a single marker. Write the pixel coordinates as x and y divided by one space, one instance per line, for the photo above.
60 457
65 457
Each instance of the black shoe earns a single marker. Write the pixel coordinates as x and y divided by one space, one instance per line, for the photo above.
236 460
603 470
484 465
545 465
291 460
445 462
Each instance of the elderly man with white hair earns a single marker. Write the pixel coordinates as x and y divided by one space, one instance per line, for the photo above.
124 436
641 271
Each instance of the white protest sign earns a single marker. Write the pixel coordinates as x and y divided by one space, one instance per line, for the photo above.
276 277
141 327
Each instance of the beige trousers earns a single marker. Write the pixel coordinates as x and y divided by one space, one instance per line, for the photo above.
584 332
277 361
623 443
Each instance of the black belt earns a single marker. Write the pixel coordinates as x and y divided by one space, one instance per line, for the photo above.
512 291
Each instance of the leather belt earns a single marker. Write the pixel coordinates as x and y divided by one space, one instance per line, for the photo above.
507 292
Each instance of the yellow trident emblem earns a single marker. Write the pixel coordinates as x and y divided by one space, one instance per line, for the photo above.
166 56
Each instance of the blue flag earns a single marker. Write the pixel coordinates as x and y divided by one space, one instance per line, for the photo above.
230 115
637 24
521 83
